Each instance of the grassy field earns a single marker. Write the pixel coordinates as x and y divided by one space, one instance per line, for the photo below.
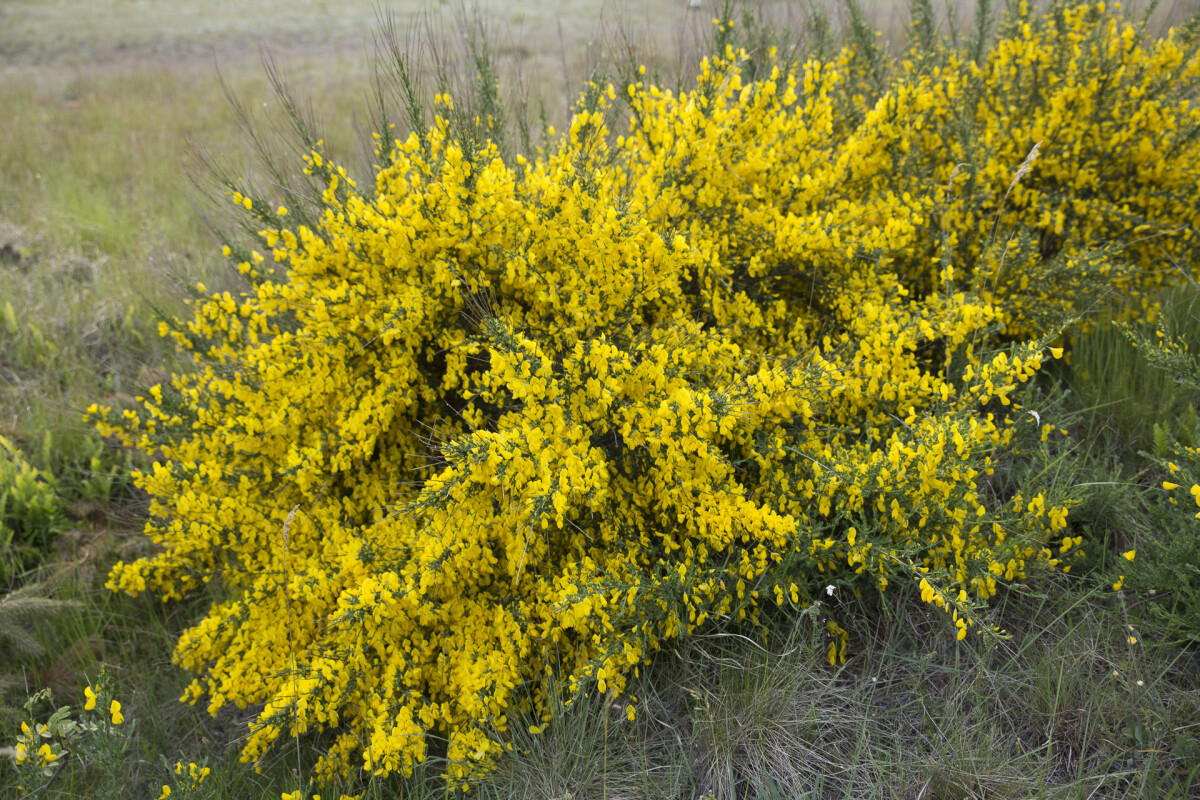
107 106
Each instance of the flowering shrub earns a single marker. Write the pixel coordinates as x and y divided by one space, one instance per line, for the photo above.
480 425
96 735
1108 205
185 782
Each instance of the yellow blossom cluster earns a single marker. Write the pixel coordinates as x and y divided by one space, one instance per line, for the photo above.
1102 122
45 748
31 749
477 427
187 781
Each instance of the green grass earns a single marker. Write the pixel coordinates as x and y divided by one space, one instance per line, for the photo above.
105 232
1120 395
101 230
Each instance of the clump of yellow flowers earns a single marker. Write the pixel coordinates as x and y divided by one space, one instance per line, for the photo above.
187 781
96 736
480 425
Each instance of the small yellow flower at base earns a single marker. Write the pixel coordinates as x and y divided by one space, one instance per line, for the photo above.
1133 640
1129 555
115 710
1120 582
290 795
927 592
166 792
91 699
1169 486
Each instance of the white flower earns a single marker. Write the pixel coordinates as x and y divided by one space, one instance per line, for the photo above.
829 589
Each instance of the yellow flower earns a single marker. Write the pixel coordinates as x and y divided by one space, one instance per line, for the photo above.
1169 486
115 710
1120 582
20 753
166 792
47 755
927 592
1128 555
91 699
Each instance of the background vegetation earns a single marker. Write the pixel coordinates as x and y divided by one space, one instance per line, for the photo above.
1094 695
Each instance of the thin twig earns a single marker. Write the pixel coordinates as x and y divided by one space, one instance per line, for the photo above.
47 784
287 524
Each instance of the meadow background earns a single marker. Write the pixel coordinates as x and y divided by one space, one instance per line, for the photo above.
109 109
